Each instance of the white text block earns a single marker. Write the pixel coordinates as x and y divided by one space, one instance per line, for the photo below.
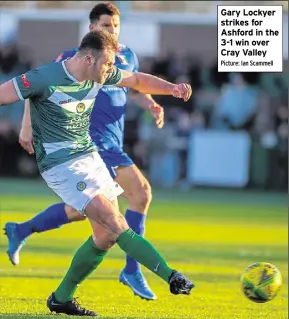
250 38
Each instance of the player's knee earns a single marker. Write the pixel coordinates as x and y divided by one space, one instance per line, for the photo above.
112 220
73 215
118 225
142 197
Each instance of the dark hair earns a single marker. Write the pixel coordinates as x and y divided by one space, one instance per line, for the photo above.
105 8
97 41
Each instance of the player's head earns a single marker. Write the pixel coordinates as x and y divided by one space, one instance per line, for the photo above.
105 16
97 50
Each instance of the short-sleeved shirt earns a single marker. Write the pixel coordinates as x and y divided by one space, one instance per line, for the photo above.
60 112
108 114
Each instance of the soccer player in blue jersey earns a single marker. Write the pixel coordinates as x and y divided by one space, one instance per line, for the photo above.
62 97
106 130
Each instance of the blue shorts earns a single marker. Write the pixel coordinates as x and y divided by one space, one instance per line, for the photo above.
113 160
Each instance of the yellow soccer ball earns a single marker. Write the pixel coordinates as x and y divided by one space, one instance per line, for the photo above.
261 282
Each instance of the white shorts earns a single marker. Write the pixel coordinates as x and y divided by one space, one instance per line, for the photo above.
79 180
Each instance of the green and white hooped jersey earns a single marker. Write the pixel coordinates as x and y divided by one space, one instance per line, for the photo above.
60 109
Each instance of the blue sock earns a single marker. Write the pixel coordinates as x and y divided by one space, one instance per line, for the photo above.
136 222
53 217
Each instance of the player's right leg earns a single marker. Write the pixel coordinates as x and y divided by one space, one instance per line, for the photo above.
138 193
108 216
52 217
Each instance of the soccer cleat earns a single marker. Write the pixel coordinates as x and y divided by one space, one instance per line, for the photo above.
71 307
138 284
14 242
179 284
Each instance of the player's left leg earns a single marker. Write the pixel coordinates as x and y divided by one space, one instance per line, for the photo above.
52 217
138 193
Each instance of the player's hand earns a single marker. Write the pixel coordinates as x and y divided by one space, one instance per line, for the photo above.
182 91
25 139
158 114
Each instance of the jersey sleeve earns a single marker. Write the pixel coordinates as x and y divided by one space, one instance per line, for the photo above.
114 77
29 85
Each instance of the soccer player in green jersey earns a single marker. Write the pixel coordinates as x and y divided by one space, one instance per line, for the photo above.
61 99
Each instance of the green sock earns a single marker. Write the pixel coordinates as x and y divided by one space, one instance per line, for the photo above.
85 261
142 251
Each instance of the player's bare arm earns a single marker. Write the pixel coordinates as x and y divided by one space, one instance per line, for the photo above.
8 93
147 102
150 84
26 120
25 135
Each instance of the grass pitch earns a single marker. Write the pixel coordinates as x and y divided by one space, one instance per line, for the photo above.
210 236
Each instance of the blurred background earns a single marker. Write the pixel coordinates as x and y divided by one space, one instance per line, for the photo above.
233 133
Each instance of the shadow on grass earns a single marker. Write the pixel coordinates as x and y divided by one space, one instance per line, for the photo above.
195 276
102 277
189 254
98 277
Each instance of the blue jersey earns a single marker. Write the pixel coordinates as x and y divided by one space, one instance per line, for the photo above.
108 114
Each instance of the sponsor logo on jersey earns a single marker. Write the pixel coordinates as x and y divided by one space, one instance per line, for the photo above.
80 107
65 101
81 186
111 88
25 81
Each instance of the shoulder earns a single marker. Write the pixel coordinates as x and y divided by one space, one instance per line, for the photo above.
48 68
124 49
41 72
36 82
48 73
129 56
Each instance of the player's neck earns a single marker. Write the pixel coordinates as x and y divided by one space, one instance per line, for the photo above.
74 68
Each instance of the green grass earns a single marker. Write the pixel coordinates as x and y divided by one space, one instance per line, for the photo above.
210 240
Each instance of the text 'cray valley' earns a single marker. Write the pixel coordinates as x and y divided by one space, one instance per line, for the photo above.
246 52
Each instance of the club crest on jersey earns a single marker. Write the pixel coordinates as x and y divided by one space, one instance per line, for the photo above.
81 186
80 107
122 59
